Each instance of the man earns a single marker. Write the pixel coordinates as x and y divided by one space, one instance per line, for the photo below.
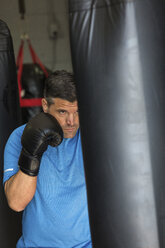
43 171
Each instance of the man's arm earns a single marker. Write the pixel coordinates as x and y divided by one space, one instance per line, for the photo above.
41 131
19 190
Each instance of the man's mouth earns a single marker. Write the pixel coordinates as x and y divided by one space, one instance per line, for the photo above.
69 129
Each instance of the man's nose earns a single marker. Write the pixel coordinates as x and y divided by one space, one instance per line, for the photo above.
70 119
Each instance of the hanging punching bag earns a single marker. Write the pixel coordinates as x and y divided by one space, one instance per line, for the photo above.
10 222
33 79
119 65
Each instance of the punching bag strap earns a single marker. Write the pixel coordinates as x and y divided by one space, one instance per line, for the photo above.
20 52
35 58
19 64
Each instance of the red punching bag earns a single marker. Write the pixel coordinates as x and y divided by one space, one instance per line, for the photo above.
118 61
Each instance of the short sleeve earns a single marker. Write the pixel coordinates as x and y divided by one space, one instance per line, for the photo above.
11 153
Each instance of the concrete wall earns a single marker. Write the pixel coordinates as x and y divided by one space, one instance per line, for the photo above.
39 18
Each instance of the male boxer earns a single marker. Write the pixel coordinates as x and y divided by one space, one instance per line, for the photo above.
43 171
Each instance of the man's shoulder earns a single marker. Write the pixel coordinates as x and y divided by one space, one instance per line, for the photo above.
20 128
16 134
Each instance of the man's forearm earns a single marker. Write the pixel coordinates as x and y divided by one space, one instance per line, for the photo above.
19 190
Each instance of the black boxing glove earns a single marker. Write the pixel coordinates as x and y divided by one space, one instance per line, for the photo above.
41 131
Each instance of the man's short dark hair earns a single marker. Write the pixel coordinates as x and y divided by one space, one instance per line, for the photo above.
60 84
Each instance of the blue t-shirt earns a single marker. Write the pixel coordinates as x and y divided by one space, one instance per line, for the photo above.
57 216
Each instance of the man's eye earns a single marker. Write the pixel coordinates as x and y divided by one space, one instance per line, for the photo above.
62 111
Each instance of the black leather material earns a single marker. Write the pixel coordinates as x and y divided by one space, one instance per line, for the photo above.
10 224
29 164
32 81
118 59
41 131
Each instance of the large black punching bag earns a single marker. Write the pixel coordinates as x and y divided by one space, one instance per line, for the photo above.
119 65
10 222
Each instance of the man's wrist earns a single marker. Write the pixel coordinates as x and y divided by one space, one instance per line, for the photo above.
29 164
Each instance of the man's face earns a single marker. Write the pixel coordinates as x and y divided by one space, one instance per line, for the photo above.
66 114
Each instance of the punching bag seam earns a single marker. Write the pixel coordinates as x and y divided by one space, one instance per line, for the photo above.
99 6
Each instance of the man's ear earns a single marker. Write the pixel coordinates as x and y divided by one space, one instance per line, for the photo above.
44 105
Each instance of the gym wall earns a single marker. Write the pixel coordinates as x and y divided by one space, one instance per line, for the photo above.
40 16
